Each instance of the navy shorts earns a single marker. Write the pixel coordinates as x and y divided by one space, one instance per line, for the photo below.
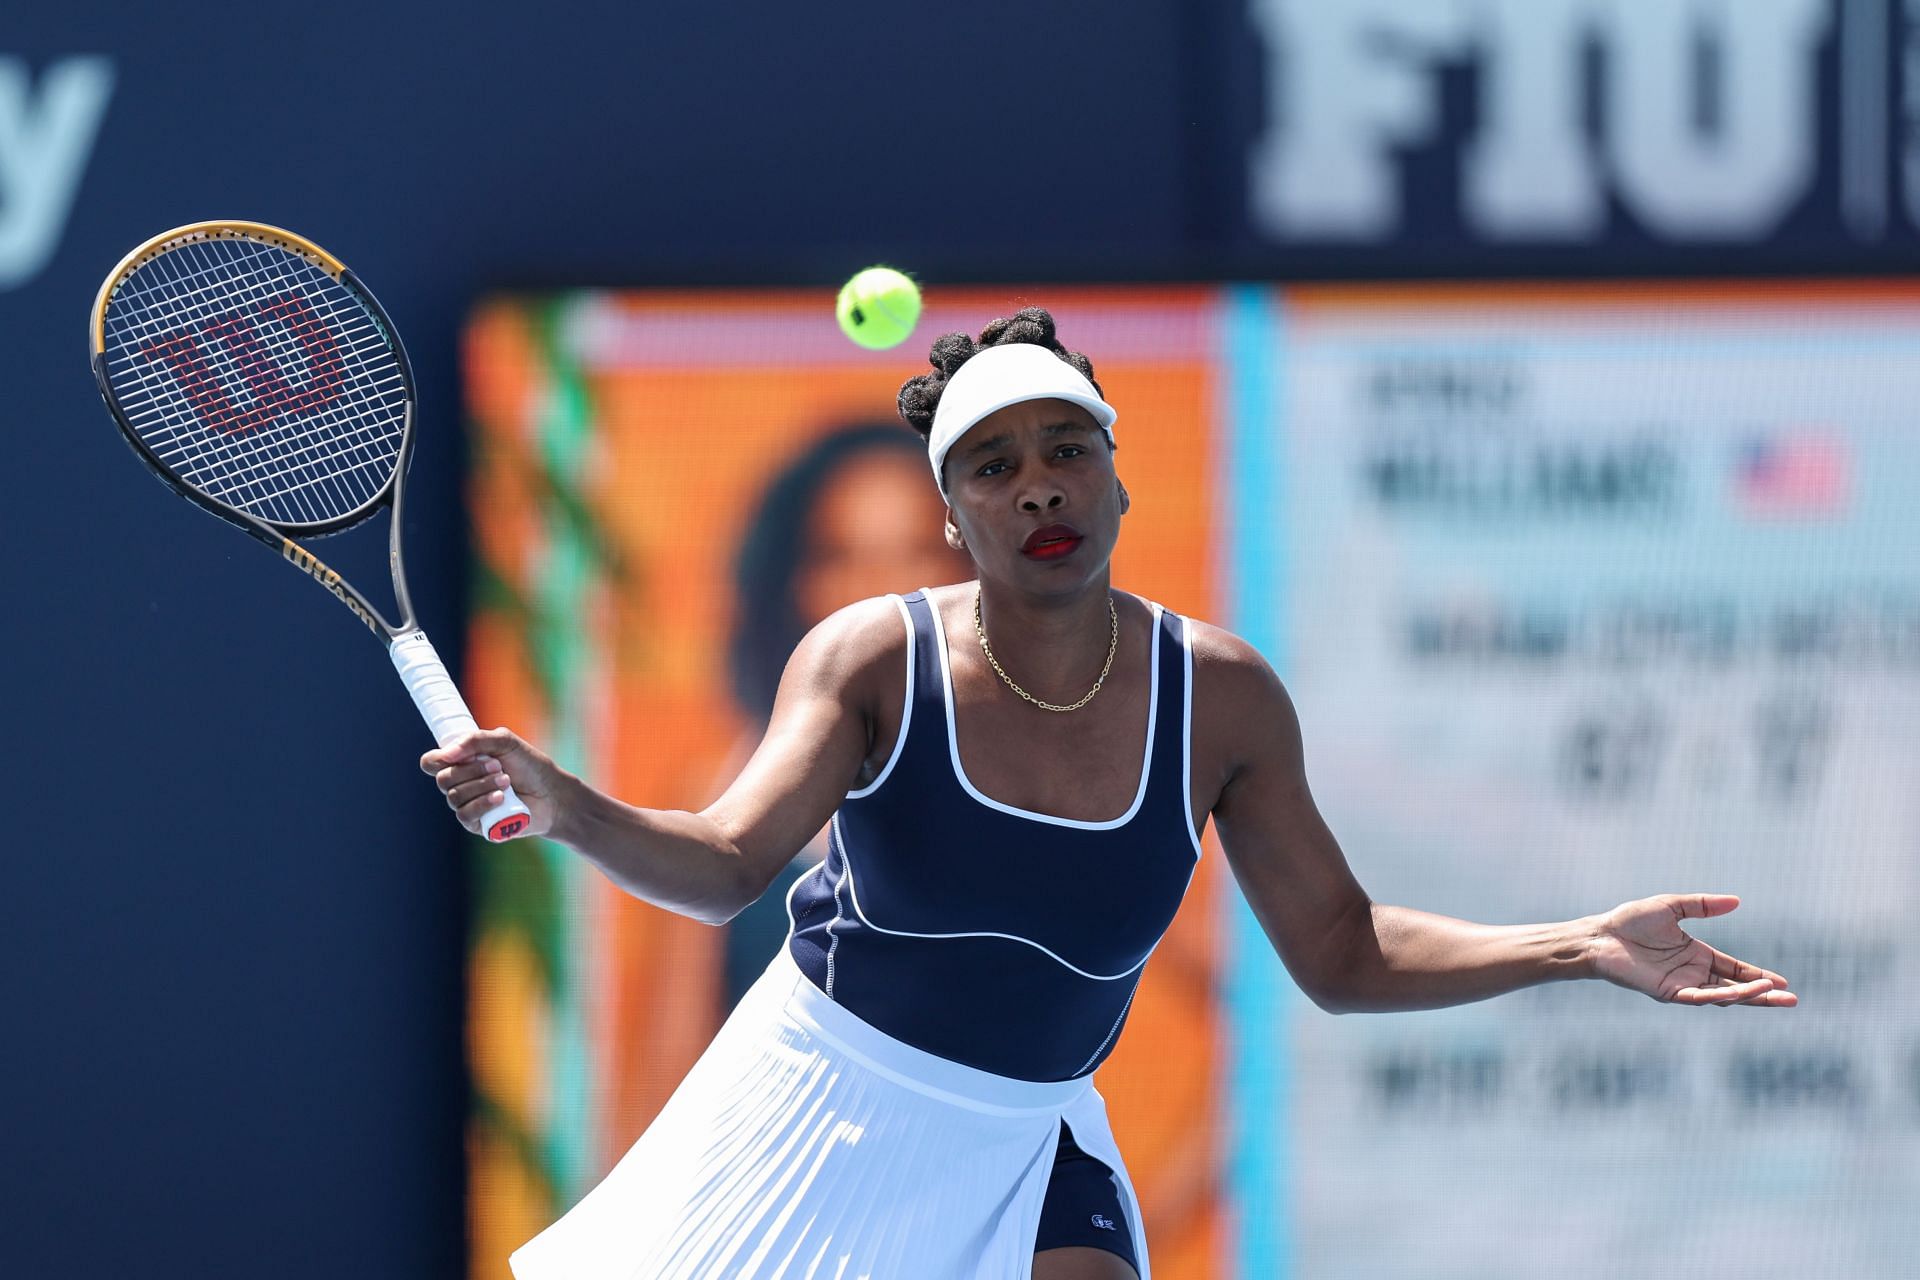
1083 1206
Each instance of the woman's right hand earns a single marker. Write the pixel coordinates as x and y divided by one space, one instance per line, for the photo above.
473 771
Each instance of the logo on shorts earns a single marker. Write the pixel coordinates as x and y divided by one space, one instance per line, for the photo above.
1103 1222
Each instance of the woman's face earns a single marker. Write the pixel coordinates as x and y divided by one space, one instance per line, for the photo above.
1032 490
876 528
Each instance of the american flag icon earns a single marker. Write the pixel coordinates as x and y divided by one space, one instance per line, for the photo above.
1792 474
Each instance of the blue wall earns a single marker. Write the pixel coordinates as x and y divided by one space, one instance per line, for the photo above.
233 922
232 925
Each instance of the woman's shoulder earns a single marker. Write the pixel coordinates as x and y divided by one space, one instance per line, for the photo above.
852 655
865 631
1241 709
1220 647
1229 669
1214 648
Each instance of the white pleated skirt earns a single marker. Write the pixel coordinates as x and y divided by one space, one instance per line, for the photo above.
808 1145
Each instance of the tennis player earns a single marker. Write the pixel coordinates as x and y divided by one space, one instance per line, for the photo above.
1014 776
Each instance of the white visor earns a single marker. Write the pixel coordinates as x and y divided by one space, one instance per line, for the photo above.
1004 375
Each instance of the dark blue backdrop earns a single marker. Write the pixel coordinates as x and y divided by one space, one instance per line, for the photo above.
232 925
233 918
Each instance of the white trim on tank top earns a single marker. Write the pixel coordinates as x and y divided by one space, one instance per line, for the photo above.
1186 734
793 921
906 709
1186 805
1146 756
853 896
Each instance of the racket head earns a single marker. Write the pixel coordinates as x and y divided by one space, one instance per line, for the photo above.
256 376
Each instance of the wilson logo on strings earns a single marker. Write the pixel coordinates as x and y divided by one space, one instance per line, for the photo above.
270 394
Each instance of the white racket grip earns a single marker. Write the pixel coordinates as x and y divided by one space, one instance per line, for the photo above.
447 716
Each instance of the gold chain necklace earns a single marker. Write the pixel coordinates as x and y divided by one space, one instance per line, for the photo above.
1113 646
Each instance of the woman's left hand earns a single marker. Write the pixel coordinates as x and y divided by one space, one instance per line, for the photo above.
1640 945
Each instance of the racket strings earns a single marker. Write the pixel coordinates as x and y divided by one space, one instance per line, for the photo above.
310 452
217 462
224 471
257 378
309 472
227 459
153 377
129 334
229 290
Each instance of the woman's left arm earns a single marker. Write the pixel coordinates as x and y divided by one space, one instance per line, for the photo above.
1351 954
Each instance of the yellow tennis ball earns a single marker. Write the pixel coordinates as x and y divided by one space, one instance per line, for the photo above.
878 308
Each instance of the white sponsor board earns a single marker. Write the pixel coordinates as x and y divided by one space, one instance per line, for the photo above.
1583 603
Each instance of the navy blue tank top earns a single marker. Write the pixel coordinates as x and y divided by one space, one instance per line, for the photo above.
1004 939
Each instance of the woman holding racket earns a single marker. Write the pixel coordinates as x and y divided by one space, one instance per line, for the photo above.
1015 775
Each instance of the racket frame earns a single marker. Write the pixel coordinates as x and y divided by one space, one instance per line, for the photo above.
402 638
273 533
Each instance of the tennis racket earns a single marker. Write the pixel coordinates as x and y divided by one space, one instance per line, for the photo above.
263 383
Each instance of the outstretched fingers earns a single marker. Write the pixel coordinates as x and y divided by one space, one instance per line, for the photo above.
1760 991
1699 906
1726 967
1723 992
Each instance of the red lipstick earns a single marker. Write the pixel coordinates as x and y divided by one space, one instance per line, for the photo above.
1050 542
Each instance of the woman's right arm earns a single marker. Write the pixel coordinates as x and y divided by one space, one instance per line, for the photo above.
710 864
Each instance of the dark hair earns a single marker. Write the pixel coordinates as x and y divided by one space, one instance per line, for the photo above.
767 622
920 396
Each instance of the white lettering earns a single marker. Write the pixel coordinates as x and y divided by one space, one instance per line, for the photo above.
1530 172
1347 83
1740 180
1708 128
45 140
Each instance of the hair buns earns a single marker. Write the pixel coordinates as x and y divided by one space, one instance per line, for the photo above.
920 395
